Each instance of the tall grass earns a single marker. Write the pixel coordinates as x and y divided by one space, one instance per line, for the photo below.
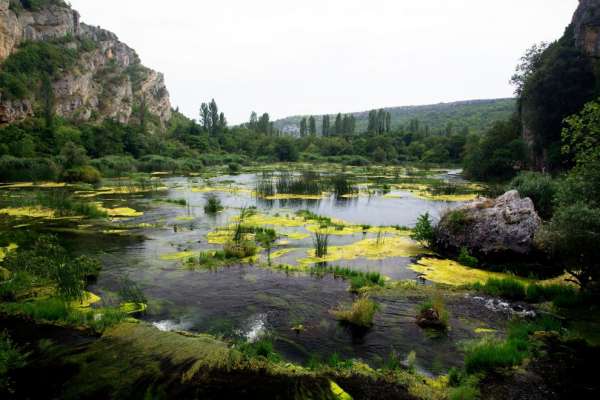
341 185
489 354
512 289
308 182
321 244
358 279
360 314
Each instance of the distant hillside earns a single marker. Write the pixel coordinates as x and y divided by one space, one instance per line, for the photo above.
476 115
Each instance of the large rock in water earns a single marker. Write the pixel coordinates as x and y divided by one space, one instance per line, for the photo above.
497 229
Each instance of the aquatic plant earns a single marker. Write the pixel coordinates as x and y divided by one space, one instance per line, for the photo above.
424 232
310 216
213 204
358 279
180 202
239 250
321 244
361 313
62 203
307 183
341 186
266 238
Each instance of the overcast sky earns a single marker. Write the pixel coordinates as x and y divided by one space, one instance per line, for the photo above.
326 56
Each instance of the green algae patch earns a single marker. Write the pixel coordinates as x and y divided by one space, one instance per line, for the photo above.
133 308
338 392
182 255
484 331
29 212
452 273
296 235
372 249
87 301
184 218
290 196
5 250
258 219
43 185
223 189
220 236
280 253
120 212
119 190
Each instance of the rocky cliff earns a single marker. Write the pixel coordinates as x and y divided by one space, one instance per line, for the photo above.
106 79
567 76
586 24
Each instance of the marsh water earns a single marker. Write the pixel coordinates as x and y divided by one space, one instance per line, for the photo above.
247 302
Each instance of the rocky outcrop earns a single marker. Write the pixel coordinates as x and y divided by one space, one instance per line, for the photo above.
586 25
491 229
108 80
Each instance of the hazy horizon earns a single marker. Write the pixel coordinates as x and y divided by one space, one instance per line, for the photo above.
332 56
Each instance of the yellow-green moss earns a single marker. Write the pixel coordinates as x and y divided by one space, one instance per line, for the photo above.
372 249
453 273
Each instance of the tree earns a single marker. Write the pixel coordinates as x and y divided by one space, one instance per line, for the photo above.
48 101
530 62
253 124
214 116
326 126
424 232
303 127
312 126
264 124
338 127
205 119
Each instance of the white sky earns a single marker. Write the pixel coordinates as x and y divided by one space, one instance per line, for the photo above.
327 56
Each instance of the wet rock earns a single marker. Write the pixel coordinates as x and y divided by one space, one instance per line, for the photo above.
430 319
491 229
504 307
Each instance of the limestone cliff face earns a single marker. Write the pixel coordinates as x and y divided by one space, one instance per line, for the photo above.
586 23
108 80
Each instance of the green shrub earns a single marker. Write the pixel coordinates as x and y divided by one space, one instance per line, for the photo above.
85 174
508 288
540 188
213 204
115 166
456 221
14 169
465 258
234 168
424 232
561 295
